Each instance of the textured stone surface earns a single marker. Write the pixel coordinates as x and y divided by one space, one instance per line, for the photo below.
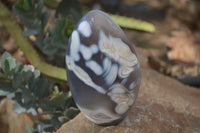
163 106
11 122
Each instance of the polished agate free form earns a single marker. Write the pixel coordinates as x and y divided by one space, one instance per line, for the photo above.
102 69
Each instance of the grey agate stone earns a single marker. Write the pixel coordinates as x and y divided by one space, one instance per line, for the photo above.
102 69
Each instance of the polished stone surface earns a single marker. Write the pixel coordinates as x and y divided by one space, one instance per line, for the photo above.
102 68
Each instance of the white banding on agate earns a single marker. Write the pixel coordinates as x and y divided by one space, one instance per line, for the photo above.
86 52
112 75
121 108
94 115
85 29
116 49
124 81
70 62
107 66
118 90
94 66
119 94
132 85
125 71
75 45
82 75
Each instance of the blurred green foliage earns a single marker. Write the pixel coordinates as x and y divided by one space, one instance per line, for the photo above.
24 84
52 40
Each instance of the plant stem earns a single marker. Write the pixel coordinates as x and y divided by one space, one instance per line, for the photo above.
51 72
51 3
131 23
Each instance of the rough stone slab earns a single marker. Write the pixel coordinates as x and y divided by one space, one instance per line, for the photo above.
11 122
163 106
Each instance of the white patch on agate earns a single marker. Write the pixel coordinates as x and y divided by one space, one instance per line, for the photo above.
107 66
132 85
82 75
125 71
94 66
121 108
70 63
94 48
86 52
75 45
86 79
116 49
118 90
124 81
120 95
99 115
85 29
112 75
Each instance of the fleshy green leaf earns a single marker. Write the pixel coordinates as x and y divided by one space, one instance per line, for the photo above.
19 67
44 126
17 108
71 112
42 88
38 8
17 79
36 74
3 59
31 108
30 32
45 17
11 95
53 105
17 95
28 129
5 88
27 72
9 65
26 96
50 50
